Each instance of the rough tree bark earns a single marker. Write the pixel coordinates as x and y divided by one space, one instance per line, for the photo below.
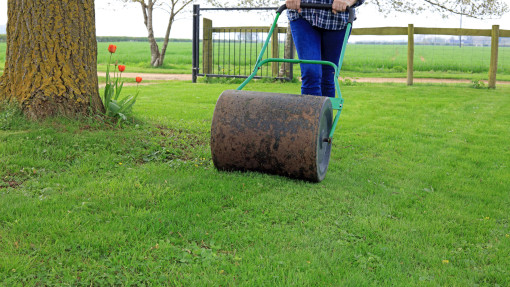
51 58
156 56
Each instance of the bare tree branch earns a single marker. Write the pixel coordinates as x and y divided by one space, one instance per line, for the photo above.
172 7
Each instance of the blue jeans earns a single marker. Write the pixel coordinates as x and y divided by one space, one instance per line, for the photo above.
314 43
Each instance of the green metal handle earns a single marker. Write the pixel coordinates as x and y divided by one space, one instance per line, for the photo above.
338 101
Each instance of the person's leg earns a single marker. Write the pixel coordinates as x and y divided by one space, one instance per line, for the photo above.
307 40
331 43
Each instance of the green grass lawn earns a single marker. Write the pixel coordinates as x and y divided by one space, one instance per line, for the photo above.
416 194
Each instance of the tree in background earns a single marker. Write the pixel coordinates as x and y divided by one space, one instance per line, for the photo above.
51 58
173 7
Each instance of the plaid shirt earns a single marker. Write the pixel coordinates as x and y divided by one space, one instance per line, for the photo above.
322 18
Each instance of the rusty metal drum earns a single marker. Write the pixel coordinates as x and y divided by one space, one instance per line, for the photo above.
281 134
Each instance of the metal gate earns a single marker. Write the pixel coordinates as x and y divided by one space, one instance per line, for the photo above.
231 52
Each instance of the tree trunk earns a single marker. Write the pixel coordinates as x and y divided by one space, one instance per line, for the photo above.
167 37
157 56
147 9
51 58
156 60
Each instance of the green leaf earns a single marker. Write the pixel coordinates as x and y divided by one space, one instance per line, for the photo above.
118 88
114 107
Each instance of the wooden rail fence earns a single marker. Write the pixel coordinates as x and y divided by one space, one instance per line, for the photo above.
495 33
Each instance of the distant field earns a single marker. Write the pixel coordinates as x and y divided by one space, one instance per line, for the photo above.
375 60
427 58
136 56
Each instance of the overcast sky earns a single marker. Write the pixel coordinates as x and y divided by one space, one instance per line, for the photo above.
118 20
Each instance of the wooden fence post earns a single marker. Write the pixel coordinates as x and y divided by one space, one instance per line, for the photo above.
208 46
410 54
493 68
275 53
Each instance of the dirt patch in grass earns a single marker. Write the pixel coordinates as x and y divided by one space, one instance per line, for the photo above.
169 144
10 181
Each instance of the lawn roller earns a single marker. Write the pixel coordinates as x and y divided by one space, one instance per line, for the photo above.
283 134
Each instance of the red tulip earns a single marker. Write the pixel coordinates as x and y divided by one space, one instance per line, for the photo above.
122 68
112 48
138 79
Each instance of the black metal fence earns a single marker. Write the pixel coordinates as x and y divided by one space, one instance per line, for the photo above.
232 51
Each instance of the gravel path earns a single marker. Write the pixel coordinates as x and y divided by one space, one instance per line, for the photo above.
187 77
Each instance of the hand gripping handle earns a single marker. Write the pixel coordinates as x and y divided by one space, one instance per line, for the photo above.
319 6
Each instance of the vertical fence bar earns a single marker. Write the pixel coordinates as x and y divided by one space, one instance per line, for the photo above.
256 43
234 49
224 49
410 54
240 47
229 36
292 52
245 48
275 52
251 46
207 46
493 69
213 55
267 56
196 42
218 59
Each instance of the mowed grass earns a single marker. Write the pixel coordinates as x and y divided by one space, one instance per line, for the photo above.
416 194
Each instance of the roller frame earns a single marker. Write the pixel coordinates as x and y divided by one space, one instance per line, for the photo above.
337 101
